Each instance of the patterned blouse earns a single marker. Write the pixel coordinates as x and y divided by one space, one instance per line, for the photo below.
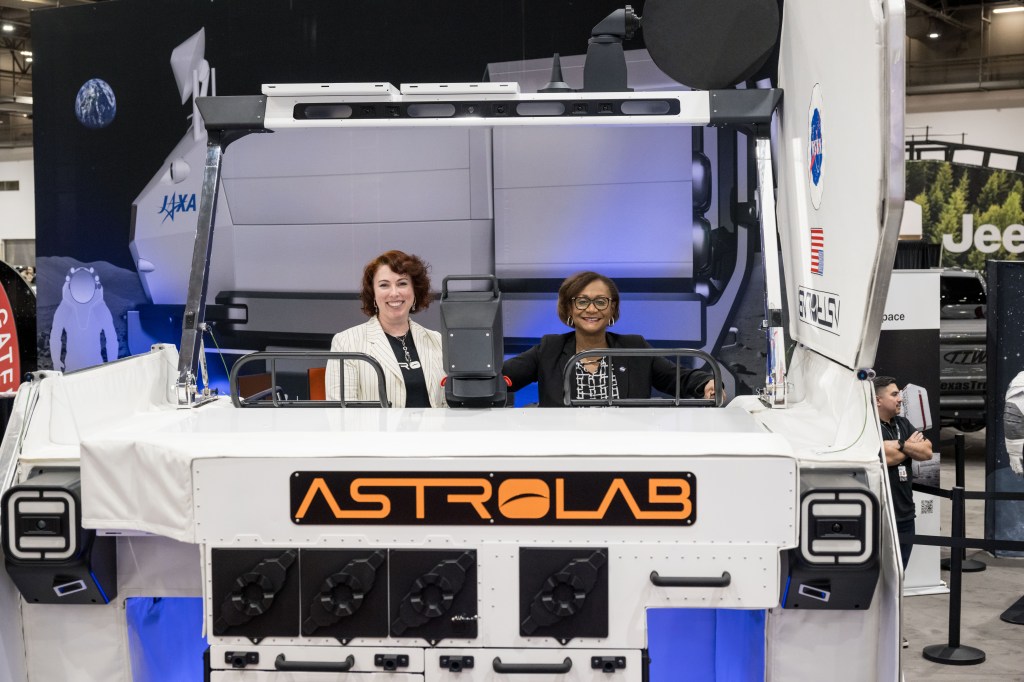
596 386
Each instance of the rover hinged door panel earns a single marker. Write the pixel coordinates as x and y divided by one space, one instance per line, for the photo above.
839 150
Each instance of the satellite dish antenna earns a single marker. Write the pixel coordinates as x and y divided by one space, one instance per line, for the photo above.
710 44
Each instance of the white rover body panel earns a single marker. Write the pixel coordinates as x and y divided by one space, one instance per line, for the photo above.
478 544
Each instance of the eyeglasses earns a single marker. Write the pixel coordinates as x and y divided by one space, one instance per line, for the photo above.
582 302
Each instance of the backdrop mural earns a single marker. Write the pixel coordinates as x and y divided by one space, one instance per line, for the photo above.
977 215
114 129
108 110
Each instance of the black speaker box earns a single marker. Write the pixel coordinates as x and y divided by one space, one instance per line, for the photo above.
47 553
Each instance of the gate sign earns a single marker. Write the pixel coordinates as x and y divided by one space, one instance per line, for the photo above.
10 357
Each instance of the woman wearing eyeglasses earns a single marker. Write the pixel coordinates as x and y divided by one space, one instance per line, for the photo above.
589 303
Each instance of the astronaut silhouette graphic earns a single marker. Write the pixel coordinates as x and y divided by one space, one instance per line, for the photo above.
83 328
1013 424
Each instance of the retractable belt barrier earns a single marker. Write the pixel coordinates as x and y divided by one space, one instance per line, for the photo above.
953 652
958 493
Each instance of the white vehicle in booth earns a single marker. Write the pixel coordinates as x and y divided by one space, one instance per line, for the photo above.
779 503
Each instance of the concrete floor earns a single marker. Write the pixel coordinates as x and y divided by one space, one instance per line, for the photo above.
985 594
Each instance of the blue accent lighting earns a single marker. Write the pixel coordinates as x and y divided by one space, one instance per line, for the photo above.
526 396
706 644
165 638
99 588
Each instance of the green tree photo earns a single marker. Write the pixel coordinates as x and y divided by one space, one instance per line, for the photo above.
948 191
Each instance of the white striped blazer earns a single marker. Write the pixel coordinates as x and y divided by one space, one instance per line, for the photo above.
361 380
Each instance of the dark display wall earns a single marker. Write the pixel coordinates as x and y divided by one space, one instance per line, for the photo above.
1004 519
94 155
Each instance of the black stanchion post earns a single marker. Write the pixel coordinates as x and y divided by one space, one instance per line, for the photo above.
967 565
1014 614
954 653
960 451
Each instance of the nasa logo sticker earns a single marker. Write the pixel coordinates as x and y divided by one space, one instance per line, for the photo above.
815 147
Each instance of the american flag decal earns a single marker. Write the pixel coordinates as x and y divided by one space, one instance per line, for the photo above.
817 251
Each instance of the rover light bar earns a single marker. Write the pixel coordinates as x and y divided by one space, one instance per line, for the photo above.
373 105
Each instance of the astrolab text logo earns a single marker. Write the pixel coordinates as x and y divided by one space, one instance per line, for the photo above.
498 498
820 309
177 203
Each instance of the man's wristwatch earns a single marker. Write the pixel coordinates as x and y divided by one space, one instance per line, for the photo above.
901 442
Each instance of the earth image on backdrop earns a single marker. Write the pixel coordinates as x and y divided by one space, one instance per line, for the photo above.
95 106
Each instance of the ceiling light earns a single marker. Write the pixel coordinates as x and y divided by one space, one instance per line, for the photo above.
26 53
8 28
1000 10
28 59
933 35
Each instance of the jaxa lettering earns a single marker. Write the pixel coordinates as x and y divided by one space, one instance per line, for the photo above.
177 203
577 498
820 309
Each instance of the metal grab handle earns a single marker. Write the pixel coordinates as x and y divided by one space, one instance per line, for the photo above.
273 357
260 395
722 581
532 668
468 278
280 663
569 375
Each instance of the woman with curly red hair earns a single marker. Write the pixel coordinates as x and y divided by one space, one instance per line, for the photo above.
395 286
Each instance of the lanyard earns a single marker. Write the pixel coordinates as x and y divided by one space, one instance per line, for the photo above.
893 428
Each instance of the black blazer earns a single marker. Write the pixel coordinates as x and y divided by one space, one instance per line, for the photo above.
545 363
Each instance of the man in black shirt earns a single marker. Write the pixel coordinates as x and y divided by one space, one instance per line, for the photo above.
901 443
